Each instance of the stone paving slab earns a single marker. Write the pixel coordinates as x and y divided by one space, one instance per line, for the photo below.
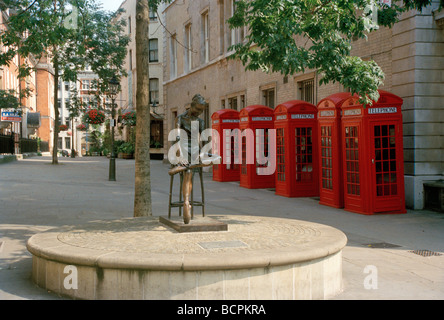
36 196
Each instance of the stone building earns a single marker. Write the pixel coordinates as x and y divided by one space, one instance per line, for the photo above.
411 54
127 97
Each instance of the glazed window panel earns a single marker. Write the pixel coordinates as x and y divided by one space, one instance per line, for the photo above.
385 160
280 154
230 144
261 147
326 157
304 153
352 161
244 156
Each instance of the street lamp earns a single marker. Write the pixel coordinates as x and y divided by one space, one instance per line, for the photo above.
73 149
113 90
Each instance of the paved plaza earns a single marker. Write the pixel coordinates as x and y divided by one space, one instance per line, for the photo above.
386 257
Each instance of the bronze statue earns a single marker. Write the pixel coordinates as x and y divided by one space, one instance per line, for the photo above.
187 165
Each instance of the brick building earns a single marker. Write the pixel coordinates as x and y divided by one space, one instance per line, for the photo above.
45 101
36 106
411 54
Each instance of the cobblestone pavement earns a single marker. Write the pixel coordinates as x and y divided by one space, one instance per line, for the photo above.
387 256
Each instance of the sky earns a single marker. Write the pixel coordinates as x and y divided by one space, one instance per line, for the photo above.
110 5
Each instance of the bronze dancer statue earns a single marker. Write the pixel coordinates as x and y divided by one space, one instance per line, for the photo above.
186 165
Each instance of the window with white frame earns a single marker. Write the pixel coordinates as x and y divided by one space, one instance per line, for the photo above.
242 101
86 84
68 142
173 56
154 50
154 91
307 90
188 49
236 35
152 14
232 103
206 37
269 97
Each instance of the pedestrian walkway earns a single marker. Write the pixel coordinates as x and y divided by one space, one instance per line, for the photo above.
387 256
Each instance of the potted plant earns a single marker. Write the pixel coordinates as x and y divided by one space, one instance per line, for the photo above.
127 149
63 127
94 116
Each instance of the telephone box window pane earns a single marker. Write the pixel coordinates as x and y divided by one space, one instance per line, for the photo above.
262 147
326 157
304 154
385 160
234 155
244 156
280 154
352 158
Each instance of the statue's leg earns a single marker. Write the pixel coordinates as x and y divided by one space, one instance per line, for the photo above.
187 188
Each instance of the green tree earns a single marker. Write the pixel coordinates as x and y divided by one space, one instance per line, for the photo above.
290 36
8 99
142 197
70 33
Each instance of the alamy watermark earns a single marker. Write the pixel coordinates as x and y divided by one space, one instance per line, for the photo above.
371 280
71 281
238 147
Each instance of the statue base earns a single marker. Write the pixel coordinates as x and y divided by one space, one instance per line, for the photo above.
200 224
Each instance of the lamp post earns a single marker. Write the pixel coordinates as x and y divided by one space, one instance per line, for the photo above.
73 150
113 89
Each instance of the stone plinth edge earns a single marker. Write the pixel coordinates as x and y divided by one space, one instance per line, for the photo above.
273 258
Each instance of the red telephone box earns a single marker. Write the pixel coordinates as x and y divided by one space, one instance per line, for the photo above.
331 186
373 160
297 173
224 122
256 123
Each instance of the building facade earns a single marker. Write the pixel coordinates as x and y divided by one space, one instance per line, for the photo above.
32 112
411 54
127 97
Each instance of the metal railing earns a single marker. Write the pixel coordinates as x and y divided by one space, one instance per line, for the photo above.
28 145
6 144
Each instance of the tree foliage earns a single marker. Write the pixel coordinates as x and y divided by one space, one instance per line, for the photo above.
291 36
8 100
70 34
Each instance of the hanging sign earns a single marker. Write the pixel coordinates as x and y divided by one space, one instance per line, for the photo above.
11 116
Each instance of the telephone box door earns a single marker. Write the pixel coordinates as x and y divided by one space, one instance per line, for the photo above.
387 169
353 174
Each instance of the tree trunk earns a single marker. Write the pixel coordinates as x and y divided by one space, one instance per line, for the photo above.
55 159
142 197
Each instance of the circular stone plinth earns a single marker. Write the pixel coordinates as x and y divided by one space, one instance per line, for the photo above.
140 258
